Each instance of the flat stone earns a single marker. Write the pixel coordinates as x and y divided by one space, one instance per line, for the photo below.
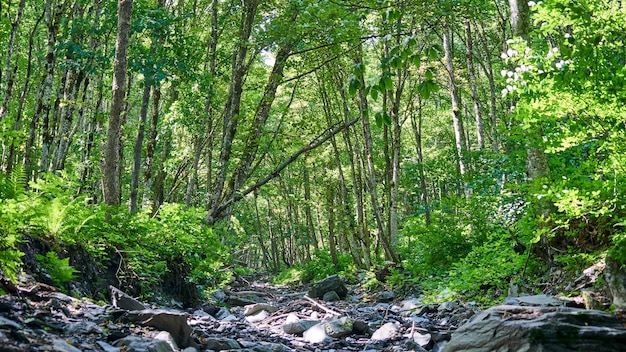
253 308
299 327
331 296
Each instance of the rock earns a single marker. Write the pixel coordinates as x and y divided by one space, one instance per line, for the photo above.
253 308
219 296
615 279
7 323
59 345
298 327
121 300
315 334
331 283
107 348
84 327
331 296
221 344
258 316
338 327
360 327
422 339
167 337
520 328
539 300
173 322
448 306
138 344
387 331
240 301
409 305
385 296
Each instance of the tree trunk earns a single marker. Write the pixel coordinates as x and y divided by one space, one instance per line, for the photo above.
472 81
151 146
143 115
9 75
369 151
232 108
459 133
111 165
417 131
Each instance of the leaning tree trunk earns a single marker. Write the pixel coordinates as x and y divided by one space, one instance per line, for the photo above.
111 180
232 108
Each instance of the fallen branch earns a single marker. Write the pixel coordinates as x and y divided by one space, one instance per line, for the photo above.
319 305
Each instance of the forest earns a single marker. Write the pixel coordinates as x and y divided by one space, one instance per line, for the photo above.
453 147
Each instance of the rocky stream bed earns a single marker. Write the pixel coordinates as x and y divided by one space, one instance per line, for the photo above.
327 316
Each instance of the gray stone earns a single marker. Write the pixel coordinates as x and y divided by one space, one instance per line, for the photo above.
59 345
386 331
539 300
298 327
315 334
338 327
7 323
331 296
258 316
121 300
107 348
138 344
421 339
385 297
361 327
173 322
253 308
84 327
331 283
167 337
219 296
522 328
221 344
448 306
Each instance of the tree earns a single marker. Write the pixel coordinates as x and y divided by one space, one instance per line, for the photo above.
112 148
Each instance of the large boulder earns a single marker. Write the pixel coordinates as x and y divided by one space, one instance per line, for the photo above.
522 328
331 283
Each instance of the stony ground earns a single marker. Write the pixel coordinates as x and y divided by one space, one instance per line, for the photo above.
255 317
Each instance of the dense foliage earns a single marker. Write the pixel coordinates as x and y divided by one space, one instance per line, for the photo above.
308 137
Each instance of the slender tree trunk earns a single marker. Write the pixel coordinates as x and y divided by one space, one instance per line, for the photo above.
8 73
63 137
20 107
330 195
310 229
417 131
151 146
143 115
111 165
202 140
459 133
474 90
369 152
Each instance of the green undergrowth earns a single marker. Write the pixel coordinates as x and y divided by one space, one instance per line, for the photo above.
145 248
319 267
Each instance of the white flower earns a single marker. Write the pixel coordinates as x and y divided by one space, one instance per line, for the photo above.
504 92
503 56
560 64
503 73
532 3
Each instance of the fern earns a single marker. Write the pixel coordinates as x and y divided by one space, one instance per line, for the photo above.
13 185
59 270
